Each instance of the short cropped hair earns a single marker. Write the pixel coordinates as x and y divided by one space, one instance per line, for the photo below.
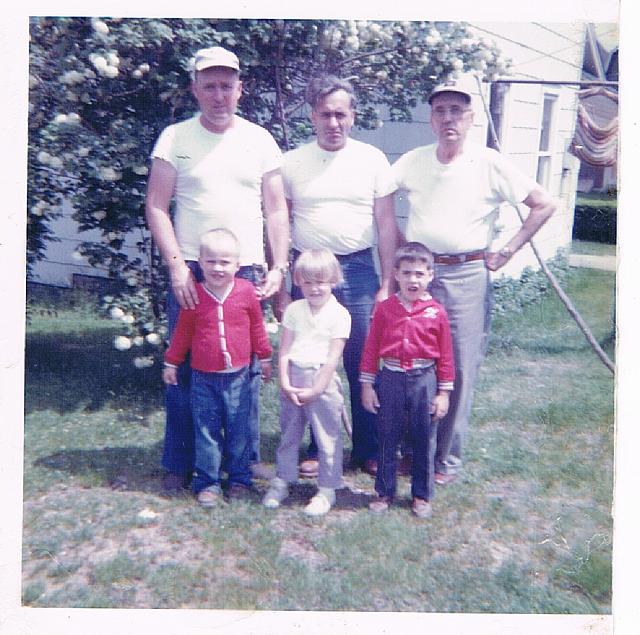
414 252
316 265
209 240
322 85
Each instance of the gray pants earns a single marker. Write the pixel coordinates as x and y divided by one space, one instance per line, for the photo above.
466 293
324 415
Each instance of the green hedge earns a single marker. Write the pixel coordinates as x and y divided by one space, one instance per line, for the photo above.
596 217
513 294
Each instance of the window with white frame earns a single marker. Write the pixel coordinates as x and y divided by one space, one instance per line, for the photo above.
546 135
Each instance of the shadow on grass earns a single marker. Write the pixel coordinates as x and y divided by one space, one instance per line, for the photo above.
83 370
127 467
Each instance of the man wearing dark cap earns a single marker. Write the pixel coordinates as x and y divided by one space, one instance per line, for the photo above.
223 171
454 189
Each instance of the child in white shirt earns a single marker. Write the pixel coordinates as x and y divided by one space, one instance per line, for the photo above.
314 333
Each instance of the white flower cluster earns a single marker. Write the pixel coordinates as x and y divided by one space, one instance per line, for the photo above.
106 65
109 174
47 159
72 77
143 362
99 26
122 343
39 208
141 70
71 119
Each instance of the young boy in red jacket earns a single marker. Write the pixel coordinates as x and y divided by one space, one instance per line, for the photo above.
410 335
220 333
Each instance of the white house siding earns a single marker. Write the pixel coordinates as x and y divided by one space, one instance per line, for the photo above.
59 265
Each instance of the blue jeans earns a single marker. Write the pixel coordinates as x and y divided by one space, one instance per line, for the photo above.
179 454
357 294
221 402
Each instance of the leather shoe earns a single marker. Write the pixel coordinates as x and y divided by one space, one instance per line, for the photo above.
421 508
380 505
444 479
309 468
370 466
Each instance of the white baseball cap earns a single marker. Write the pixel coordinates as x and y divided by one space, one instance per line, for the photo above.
464 84
215 56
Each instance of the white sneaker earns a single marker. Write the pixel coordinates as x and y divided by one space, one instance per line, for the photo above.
277 492
321 503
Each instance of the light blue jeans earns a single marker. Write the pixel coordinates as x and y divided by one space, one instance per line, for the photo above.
466 293
220 403
179 455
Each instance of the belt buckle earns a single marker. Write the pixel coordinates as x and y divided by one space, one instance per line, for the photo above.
462 258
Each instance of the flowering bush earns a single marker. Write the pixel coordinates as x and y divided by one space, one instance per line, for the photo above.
101 90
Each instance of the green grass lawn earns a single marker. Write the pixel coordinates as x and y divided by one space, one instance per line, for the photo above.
527 529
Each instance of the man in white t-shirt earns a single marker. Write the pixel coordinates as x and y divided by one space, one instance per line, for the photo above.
223 171
454 189
340 195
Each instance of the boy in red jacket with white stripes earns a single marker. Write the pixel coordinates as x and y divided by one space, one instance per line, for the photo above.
410 335
221 333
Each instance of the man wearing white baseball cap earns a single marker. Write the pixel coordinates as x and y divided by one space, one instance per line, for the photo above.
223 171
455 188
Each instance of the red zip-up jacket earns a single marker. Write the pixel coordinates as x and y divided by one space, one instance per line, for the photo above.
406 337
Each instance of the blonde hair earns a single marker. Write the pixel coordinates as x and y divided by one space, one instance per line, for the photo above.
211 239
316 265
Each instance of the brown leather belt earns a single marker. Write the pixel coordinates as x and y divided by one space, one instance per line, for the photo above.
458 259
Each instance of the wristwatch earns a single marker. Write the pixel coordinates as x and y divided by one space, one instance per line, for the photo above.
506 252
283 269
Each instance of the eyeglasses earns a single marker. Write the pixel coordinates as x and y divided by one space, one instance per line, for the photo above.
454 111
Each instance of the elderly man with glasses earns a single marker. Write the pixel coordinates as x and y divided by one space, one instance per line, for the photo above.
455 189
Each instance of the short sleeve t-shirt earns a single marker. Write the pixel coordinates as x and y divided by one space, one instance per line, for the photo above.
313 333
332 195
453 207
219 182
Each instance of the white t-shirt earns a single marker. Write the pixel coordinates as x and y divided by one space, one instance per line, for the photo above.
219 182
333 193
313 333
453 207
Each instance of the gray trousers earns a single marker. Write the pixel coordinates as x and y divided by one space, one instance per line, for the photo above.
324 415
466 293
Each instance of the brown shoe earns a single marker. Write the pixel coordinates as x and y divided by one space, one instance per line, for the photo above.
421 508
309 468
380 505
444 479
370 466
208 497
